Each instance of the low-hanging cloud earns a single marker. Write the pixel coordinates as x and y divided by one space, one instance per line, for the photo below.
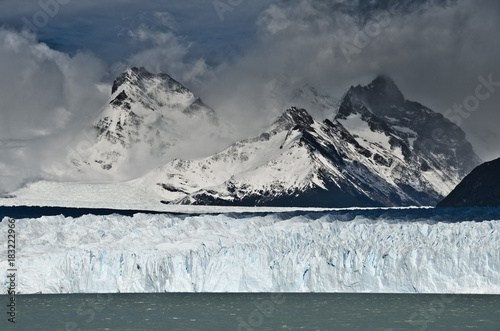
45 96
167 52
50 99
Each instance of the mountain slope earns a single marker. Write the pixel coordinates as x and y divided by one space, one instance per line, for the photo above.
376 149
435 151
374 152
480 188
148 118
292 163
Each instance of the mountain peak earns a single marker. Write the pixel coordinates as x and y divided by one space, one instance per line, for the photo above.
385 86
136 75
150 113
383 79
138 71
128 75
294 116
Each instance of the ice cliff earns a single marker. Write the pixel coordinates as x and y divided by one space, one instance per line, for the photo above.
289 252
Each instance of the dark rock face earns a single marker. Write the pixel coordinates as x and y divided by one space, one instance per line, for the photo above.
481 188
310 198
433 138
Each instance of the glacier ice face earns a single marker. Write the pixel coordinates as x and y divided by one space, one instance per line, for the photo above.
351 251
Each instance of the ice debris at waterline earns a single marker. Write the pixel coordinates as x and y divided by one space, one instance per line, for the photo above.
289 252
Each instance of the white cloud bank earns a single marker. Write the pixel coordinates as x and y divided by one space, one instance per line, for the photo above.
45 96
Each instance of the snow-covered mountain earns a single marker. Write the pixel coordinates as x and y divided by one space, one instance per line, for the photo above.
376 150
424 136
150 117
435 153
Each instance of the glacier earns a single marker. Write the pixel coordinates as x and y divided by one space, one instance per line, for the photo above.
377 251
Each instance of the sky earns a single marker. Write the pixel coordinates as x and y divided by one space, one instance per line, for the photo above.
58 59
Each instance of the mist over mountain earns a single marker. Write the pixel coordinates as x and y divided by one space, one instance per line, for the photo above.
149 119
375 149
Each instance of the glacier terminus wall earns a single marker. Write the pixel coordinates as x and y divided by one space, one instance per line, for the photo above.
286 252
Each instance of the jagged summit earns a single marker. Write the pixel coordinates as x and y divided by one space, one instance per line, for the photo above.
386 88
129 76
156 92
381 89
149 117
383 81
380 97
138 76
292 117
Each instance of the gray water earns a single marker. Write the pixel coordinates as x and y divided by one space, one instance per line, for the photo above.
254 312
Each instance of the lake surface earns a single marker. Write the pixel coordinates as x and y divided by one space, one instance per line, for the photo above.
399 214
311 311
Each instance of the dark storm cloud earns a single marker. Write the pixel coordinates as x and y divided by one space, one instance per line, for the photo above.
102 26
436 51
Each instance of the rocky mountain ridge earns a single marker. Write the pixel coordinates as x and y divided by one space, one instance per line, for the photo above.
375 148
372 153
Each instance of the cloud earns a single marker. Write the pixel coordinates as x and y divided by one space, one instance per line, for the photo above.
435 51
46 95
166 52
42 90
166 19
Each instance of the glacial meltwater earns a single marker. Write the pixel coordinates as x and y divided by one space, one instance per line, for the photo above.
291 311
